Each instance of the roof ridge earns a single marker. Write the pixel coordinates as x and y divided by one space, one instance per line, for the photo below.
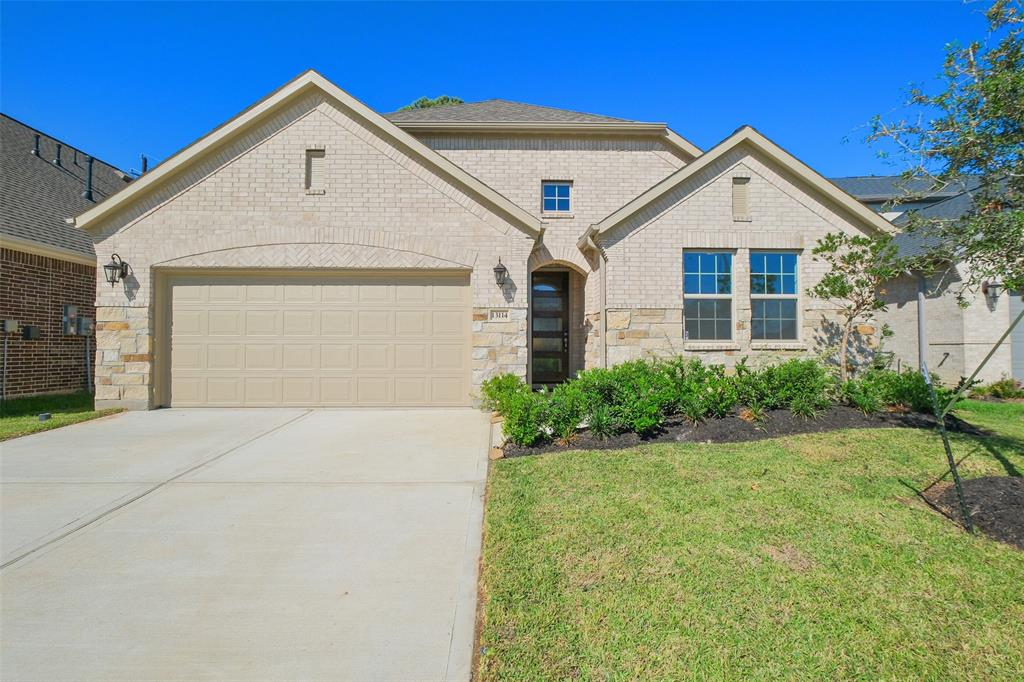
64 144
551 108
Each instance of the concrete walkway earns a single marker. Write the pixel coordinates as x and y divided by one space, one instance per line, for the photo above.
243 545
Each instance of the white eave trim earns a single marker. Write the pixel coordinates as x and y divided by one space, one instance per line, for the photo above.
822 186
311 80
38 249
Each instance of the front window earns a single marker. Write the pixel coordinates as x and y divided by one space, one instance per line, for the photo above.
557 197
773 296
707 296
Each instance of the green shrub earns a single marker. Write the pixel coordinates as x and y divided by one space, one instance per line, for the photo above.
567 406
600 423
643 397
498 391
720 394
1003 389
525 415
907 389
863 394
805 386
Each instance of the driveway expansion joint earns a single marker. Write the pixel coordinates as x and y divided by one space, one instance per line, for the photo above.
134 498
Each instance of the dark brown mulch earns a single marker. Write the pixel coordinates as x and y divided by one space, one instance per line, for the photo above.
996 504
732 429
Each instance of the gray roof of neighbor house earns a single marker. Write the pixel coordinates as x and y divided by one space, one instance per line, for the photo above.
36 195
497 111
884 187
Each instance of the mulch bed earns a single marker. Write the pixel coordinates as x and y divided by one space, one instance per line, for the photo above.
996 504
732 429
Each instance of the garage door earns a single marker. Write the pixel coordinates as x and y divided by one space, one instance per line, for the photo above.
361 340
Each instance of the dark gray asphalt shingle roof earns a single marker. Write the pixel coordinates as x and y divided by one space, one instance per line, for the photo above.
497 111
882 187
36 195
949 203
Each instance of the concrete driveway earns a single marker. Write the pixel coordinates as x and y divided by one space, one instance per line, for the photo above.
243 545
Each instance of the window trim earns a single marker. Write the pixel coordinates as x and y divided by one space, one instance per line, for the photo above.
798 340
710 344
567 213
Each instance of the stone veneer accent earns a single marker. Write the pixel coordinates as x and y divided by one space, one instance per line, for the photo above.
124 354
650 333
498 347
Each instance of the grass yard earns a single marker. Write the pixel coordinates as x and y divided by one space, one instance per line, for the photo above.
20 416
801 557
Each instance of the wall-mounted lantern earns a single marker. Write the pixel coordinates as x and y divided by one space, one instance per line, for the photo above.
115 270
992 290
500 273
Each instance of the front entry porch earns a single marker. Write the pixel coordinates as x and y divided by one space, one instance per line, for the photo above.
557 324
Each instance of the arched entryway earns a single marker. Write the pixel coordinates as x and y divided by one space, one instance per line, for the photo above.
558 326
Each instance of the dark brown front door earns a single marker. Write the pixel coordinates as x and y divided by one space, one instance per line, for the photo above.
550 324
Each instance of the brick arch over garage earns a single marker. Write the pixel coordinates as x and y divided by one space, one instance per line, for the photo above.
314 247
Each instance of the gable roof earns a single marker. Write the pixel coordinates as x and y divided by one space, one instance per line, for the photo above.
501 115
498 111
752 138
37 196
308 82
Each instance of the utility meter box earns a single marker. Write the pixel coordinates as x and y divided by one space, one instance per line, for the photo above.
70 325
10 326
30 333
86 326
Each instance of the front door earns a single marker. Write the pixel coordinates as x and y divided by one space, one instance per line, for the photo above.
550 325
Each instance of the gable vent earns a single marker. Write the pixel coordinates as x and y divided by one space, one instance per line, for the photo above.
741 198
315 166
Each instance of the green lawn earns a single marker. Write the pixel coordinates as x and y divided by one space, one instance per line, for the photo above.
801 557
20 417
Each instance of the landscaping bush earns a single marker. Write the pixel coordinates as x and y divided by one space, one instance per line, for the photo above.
525 417
804 386
907 389
497 392
863 394
637 396
1003 389
567 406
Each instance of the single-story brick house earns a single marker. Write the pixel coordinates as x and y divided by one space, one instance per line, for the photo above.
46 263
311 251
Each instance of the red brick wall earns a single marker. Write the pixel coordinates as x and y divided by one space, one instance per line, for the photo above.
33 291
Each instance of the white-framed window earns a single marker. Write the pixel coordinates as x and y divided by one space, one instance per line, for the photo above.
774 296
556 196
707 296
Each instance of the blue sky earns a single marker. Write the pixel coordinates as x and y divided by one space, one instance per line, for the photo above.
120 79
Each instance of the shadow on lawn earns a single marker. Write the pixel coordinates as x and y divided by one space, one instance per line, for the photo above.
996 503
65 403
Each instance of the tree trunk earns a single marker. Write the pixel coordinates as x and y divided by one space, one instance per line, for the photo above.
843 349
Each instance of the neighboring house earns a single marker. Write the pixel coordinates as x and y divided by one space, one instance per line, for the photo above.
958 339
312 252
45 262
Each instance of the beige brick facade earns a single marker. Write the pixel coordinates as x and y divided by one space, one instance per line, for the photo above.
958 339
244 207
247 207
645 273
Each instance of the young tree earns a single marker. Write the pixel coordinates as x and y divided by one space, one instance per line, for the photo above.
426 102
971 134
859 267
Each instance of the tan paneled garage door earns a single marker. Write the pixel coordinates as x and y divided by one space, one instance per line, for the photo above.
368 339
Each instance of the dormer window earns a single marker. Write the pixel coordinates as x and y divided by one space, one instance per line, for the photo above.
556 196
